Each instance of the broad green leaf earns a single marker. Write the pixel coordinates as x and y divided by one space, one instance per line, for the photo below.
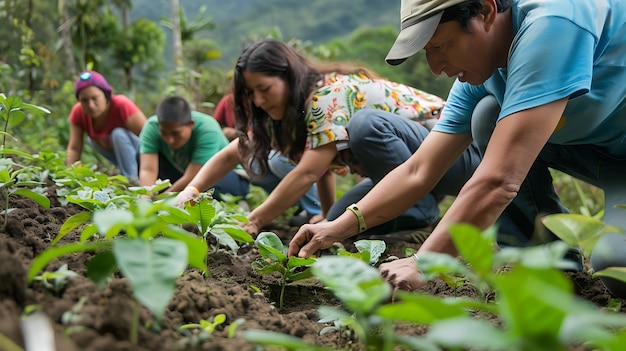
549 255
34 108
101 268
475 247
196 247
592 326
427 309
270 246
110 222
375 248
534 302
618 273
38 198
578 230
16 117
152 268
470 333
71 224
358 285
294 262
16 152
224 239
236 232
57 251
88 232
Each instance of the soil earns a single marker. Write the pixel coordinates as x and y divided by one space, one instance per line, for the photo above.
102 323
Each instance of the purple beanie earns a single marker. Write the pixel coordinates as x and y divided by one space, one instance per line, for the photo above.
89 78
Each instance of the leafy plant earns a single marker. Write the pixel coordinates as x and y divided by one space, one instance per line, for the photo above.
12 185
212 219
368 251
274 259
532 287
152 255
205 325
56 280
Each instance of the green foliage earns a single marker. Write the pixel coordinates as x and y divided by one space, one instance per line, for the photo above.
368 251
212 219
578 230
274 259
56 280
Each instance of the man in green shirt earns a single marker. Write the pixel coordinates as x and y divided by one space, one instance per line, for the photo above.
176 142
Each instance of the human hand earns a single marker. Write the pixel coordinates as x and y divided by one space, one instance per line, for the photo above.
252 228
188 194
402 273
317 218
312 238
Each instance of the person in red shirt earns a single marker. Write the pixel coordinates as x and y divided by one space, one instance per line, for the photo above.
224 113
112 124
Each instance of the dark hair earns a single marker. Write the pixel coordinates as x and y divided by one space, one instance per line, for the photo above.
467 10
274 58
174 109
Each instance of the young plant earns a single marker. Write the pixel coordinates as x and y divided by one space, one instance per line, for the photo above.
533 287
11 184
205 325
274 259
211 218
368 251
56 280
152 255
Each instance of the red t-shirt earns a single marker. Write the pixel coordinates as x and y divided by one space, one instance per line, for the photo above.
120 109
224 111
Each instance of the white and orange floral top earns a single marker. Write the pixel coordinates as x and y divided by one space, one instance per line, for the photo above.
341 96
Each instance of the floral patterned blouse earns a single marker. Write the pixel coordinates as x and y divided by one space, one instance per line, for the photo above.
341 96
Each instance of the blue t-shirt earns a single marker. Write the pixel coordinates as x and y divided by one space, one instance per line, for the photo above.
561 48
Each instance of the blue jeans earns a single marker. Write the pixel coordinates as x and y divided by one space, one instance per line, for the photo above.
232 183
380 141
279 165
125 153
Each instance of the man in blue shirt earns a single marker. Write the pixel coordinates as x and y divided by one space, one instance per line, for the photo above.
554 101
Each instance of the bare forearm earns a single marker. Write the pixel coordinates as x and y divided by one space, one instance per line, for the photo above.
326 191
72 156
289 190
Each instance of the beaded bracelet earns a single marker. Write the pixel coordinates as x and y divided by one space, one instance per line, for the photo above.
357 212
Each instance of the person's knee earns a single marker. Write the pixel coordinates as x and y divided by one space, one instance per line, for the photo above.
484 120
610 251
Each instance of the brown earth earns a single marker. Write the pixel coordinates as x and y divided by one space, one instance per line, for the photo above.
103 322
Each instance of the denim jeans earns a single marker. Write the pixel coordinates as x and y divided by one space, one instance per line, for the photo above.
279 165
380 141
125 153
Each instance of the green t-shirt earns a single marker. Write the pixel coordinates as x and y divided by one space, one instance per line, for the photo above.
206 140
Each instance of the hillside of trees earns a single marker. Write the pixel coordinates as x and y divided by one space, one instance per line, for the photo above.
45 44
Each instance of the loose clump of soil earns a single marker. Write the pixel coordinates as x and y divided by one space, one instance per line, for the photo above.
103 321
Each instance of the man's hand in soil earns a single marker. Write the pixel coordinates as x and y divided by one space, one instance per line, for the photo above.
312 238
402 274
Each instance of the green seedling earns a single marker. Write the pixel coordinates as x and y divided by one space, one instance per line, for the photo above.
368 251
532 287
56 280
578 230
211 218
274 259
12 185
205 325
152 255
